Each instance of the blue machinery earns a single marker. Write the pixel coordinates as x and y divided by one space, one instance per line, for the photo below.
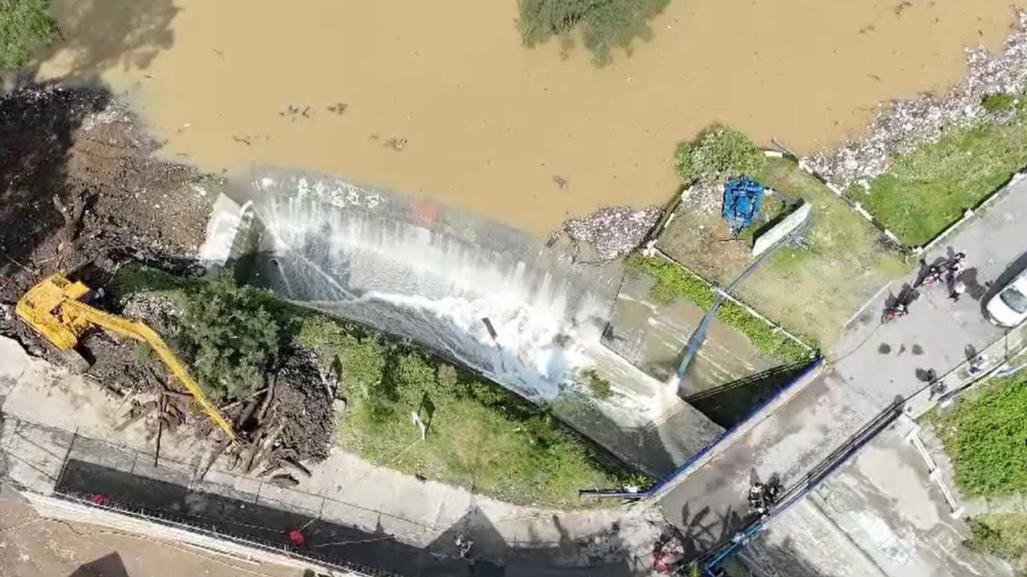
742 198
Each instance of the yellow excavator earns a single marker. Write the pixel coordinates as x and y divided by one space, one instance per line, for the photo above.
54 309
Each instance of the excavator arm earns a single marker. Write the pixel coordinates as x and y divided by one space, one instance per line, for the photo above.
141 332
53 309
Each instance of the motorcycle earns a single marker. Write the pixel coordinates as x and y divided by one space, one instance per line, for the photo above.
893 312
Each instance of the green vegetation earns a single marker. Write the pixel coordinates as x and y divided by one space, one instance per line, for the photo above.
25 25
843 260
599 386
719 153
479 435
1002 535
231 336
985 435
672 282
604 24
998 101
929 188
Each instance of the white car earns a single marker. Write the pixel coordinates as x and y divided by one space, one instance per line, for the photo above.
1008 308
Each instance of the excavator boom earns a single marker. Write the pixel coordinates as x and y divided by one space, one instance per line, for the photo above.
54 310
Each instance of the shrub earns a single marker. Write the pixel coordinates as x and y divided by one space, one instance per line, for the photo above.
605 24
985 437
25 25
719 153
232 337
599 386
413 379
998 101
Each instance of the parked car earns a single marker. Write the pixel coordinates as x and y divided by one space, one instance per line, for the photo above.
1008 307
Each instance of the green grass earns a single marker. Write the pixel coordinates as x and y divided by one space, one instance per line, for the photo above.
1003 535
985 436
605 25
814 289
672 282
929 188
480 435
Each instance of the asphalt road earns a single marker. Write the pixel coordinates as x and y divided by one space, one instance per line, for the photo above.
873 364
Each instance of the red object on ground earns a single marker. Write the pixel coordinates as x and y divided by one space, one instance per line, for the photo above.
98 499
296 538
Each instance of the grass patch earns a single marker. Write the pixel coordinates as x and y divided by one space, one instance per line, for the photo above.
480 435
929 188
1002 535
985 435
672 282
814 288
605 25
998 102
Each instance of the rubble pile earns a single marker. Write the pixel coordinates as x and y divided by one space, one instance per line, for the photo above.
613 232
900 126
704 197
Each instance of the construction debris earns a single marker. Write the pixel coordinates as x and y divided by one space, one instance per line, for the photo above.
611 233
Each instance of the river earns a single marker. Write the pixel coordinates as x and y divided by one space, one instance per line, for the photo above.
443 100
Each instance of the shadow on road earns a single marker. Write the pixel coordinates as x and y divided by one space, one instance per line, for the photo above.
106 566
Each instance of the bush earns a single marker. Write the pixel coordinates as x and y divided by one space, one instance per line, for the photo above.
985 437
231 336
998 101
25 25
605 24
719 153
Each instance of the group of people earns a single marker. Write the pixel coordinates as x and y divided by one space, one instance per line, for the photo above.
948 271
762 497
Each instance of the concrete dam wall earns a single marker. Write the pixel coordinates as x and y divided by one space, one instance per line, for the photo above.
415 269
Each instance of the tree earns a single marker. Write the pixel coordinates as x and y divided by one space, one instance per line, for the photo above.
231 336
720 153
604 24
25 25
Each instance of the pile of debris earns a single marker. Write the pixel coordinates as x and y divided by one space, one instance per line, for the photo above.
78 185
289 422
611 233
278 428
906 124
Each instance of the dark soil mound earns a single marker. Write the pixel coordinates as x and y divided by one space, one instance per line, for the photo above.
78 185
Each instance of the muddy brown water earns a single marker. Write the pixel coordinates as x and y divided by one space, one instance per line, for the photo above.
443 100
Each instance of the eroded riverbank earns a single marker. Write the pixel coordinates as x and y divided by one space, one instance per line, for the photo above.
447 103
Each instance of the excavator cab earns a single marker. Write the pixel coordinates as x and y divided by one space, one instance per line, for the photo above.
41 309
54 309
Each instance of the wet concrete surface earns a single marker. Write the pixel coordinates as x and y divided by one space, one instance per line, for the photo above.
32 546
653 337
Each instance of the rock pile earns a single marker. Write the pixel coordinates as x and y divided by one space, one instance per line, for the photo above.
613 232
902 125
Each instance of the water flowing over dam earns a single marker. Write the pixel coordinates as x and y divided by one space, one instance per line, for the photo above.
493 299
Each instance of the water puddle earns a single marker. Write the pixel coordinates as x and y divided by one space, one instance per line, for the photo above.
446 102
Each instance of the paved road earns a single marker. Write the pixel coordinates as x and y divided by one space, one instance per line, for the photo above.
874 363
